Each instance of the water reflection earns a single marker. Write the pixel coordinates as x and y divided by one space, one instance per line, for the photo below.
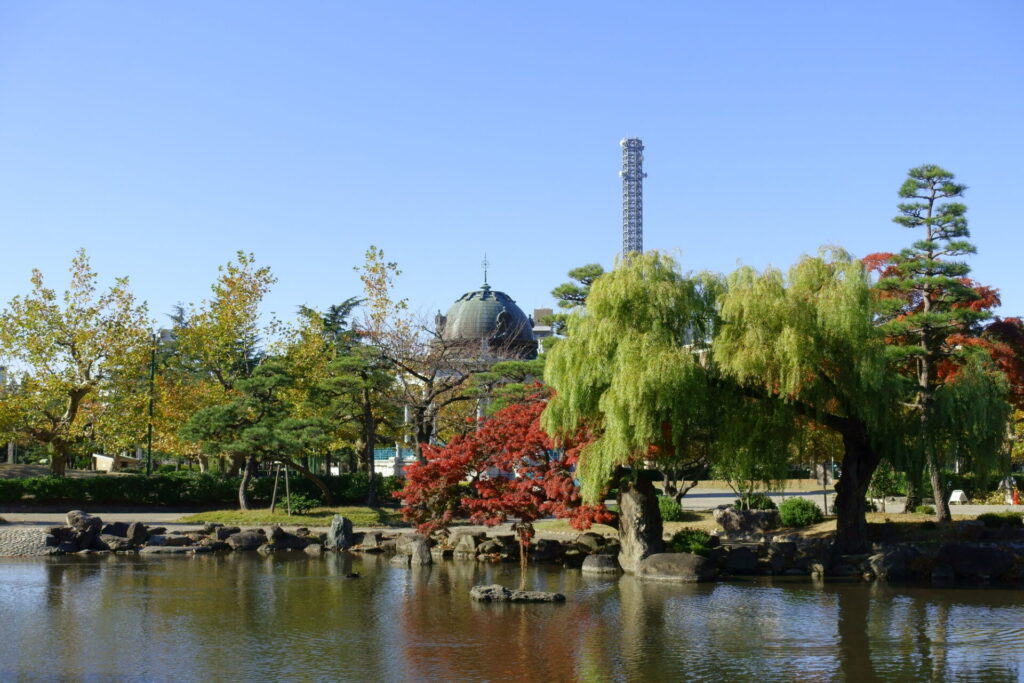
248 617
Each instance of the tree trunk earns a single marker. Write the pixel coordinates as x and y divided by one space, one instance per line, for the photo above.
327 464
360 457
942 513
243 493
859 463
237 461
59 459
640 527
204 463
317 481
913 488
370 437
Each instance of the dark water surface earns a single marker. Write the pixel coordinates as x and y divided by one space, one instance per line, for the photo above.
243 617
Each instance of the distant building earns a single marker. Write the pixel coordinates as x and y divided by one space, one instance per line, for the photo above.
486 325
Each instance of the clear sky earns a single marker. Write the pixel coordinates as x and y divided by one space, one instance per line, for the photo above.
164 137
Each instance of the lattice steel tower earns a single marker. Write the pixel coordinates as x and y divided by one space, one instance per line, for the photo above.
633 175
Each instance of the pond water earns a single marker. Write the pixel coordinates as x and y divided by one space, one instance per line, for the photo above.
247 617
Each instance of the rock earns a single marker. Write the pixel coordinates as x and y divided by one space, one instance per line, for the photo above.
213 544
274 533
157 530
894 563
590 542
601 564
419 553
83 522
975 561
575 558
245 540
546 550
172 549
67 547
51 541
741 560
401 560
340 535
177 541
372 542
465 545
439 552
640 528
782 556
497 593
115 529
115 542
137 533
314 549
211 528
225 532
746 523
684 567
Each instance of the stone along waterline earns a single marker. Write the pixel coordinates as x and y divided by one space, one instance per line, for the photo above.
244 616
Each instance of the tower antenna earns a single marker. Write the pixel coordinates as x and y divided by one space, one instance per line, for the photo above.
485 263
633 175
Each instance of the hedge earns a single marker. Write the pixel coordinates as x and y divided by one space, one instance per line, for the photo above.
188 489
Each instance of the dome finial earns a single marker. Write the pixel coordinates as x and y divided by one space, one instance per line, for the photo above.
485 263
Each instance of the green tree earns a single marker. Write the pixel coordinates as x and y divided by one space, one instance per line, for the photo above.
808 340
220 340
258 424
929 275
75 358
573 294
631 371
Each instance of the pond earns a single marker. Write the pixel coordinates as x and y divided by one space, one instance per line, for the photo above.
246 617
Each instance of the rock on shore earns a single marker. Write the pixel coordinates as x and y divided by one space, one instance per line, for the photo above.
498 593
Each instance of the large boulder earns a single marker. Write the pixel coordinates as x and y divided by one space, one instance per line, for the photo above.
898 562
466 544
601 564
339 537
115 529
746 523
372 542
246 540
223 533
83 522
498 593
741 560
590 542
682 567
114 542
640 527
419 553
974 561
137 533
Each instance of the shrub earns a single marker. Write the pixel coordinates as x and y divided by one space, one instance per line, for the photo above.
924 510
52 489
671 511
755 501
799 512
10 490
996 520
298 503
691 541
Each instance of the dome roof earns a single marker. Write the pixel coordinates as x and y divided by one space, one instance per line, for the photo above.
487 315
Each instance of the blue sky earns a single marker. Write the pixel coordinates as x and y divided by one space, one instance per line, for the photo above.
164 137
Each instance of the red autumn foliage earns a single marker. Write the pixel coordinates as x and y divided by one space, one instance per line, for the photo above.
1002 339
507 469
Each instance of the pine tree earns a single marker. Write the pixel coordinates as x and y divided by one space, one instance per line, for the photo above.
930 276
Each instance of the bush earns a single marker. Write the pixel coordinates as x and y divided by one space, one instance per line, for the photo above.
671 511
691 541
10 490
996 520
924 510
755 501
799 512
298 503
52 489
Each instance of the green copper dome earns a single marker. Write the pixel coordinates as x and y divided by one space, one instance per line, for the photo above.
492 317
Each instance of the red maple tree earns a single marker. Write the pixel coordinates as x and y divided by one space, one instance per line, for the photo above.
508 469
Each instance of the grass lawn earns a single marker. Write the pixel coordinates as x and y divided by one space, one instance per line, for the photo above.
360 516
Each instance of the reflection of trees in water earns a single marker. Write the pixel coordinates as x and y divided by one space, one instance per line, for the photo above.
445 636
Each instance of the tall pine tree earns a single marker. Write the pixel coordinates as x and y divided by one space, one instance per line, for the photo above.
930 275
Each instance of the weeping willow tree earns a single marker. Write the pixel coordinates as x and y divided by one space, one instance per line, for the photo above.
631 365
633 369
806 339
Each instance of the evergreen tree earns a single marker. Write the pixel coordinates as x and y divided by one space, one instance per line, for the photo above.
930 276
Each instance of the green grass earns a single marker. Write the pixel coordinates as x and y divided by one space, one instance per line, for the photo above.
360 516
